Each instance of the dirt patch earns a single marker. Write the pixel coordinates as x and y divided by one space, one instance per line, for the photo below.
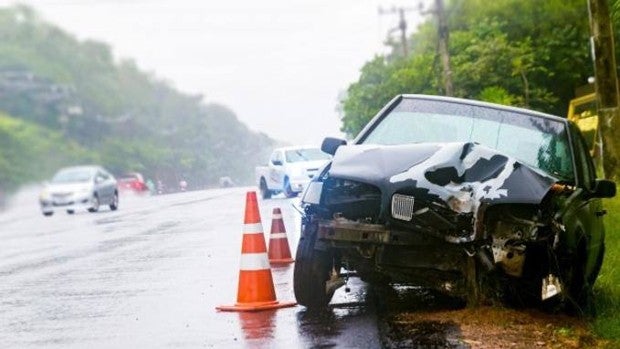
485 327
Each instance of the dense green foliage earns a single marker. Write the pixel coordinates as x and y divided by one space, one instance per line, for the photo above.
607 287
524 53
26 148
76 103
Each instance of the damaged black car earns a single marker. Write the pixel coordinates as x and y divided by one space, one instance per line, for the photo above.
472 199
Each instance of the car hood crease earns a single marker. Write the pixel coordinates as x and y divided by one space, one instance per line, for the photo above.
443 171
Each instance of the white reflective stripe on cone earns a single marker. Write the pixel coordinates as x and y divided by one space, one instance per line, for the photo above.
277 216
278 236
252 228
254 261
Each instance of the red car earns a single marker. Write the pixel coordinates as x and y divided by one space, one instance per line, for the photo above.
132 182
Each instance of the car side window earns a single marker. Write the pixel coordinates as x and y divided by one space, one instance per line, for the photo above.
277 156
585 166
101 176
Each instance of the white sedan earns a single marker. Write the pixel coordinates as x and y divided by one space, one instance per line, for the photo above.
80 187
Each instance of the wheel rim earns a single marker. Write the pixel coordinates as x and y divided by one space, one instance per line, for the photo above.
95 203
287 188
263 189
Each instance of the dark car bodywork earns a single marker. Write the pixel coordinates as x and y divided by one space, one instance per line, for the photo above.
458 217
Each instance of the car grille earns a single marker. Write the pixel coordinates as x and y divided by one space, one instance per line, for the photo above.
311 172
402 207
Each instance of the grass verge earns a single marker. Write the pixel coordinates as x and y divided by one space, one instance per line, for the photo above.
607 287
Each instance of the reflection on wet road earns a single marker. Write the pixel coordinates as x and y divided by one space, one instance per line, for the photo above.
150 275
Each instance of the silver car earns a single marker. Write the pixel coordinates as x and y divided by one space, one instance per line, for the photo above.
80 187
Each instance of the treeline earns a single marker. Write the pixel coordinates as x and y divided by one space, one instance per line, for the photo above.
526 53
67 102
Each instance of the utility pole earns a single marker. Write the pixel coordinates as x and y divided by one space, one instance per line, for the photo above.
442 44
443 37
402 25
606 82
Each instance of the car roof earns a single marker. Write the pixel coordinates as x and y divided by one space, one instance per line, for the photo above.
90 168
484 104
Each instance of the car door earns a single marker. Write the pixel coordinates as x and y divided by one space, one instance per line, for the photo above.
110 186
276 169
585 212
103 184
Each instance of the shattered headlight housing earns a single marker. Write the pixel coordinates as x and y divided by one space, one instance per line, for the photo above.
312 194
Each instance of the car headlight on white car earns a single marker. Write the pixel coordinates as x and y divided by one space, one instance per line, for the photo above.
44 195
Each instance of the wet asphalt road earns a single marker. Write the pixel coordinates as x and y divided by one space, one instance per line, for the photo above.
150 275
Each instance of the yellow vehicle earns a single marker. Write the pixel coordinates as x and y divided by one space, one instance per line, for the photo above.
583 112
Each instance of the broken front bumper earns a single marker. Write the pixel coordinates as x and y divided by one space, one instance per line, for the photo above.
404 256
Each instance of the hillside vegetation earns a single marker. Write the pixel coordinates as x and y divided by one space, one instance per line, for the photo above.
67 101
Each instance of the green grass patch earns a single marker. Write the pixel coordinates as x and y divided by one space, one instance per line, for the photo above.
607 287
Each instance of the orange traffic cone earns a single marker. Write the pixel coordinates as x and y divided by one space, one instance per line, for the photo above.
255 290
279 251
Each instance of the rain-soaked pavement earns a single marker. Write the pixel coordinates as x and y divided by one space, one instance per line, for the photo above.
150 275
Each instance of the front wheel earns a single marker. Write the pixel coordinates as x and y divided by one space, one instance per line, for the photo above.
288 191
313 269
265 193
578 293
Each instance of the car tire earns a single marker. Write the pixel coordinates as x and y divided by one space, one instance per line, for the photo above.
597 267
288 191
312 271
95 203
70 211
579 296
265 193
114 204
48 214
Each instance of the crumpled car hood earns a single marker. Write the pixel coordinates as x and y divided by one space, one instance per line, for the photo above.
454 173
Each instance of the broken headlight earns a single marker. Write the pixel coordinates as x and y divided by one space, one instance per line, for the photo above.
312 194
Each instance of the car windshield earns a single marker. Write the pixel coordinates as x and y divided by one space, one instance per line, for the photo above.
309 154
73 176
536 141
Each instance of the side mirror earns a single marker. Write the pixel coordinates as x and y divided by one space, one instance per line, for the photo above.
98 180
330 145
276 162
604 188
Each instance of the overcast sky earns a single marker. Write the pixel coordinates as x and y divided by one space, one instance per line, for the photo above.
279 64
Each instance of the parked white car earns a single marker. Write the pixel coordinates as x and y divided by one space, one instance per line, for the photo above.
289 170
80 187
